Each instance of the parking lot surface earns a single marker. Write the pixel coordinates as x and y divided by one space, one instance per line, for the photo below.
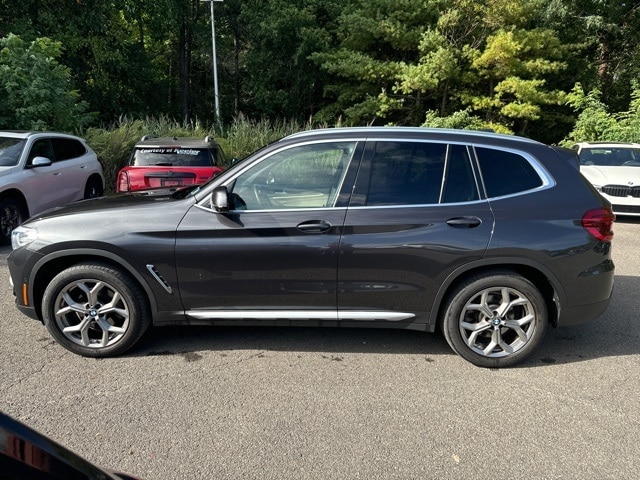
306 403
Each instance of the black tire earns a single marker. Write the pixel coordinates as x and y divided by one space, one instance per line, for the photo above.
11 215
479 322
94 188
78 312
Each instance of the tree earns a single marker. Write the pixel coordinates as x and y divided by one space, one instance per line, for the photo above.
595 123
37 89
377 39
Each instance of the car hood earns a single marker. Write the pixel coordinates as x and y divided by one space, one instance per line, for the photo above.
599 175
144 199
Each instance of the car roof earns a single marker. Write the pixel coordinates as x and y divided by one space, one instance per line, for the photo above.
23 134
191 142
432 133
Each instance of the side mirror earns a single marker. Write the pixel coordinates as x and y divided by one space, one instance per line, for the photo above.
40 162
220 199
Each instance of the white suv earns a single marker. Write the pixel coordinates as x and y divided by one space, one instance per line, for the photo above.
40 170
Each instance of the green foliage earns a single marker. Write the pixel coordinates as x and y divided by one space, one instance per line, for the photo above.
462 119
595 123
245 136
37 91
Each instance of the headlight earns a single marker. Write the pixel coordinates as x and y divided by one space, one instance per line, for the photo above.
22 236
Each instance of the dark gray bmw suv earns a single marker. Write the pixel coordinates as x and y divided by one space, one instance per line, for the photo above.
489 237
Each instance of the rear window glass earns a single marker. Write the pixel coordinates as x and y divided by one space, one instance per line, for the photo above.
171 157
506 173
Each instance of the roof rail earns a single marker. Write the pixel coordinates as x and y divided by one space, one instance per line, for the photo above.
148 137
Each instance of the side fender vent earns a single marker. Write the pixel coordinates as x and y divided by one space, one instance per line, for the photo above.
152 269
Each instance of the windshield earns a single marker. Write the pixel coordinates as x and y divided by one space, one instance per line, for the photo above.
171 157
10 150
610 157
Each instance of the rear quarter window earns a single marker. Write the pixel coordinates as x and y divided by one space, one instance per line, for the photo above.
506 173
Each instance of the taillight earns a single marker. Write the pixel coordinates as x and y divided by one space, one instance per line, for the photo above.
122 185
599 223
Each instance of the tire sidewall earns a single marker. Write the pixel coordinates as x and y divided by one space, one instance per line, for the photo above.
122 283
472 288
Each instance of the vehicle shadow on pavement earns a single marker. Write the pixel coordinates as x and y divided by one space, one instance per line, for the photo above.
615 333
180 340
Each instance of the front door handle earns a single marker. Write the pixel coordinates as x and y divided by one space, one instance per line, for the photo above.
314 226
464 222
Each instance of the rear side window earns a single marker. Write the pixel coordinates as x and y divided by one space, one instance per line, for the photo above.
421 173
66 148
406 173
506 173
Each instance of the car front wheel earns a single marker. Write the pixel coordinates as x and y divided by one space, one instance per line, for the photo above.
11 216
95 310
495 320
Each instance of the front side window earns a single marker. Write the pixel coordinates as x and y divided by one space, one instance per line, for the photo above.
506 173
41 148
305 176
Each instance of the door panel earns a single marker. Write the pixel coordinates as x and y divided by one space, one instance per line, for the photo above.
277 247
396 258
415 216
46 184
258 260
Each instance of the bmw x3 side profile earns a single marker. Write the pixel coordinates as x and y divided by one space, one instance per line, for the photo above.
489 238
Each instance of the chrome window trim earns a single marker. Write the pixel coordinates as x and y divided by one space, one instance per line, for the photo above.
547 180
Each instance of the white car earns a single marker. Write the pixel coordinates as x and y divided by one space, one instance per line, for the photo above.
614 169
41 170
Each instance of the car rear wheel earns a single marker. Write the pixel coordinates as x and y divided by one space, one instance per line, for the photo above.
95 310
11 216
93 188
495 320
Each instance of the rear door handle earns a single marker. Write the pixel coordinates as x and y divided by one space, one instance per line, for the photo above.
314 226
464 222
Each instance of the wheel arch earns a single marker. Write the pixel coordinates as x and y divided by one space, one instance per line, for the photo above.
94 177
49 266
547 283
18 195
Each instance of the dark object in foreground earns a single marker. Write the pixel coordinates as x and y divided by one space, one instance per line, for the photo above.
27 454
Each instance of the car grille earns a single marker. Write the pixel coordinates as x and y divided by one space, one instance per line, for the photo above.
621 191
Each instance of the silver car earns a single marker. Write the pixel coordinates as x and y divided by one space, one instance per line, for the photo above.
41 170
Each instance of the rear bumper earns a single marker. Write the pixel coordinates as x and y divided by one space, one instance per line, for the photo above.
581 313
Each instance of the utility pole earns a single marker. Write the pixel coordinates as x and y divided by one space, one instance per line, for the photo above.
213 61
